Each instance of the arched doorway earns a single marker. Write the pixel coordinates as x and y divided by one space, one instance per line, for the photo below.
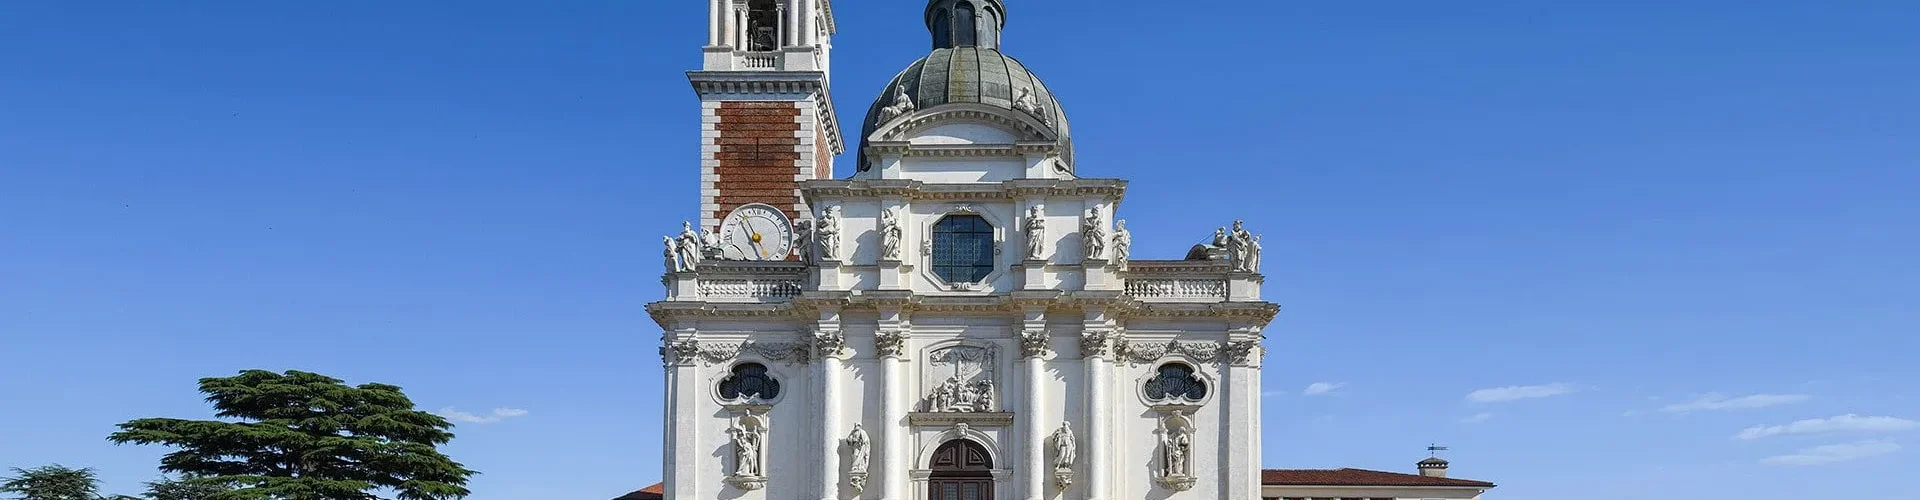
962 470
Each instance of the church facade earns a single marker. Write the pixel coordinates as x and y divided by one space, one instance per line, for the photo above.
958 316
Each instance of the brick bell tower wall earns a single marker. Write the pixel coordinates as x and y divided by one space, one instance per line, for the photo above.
760 152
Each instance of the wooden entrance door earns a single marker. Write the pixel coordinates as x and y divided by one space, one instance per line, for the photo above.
962 470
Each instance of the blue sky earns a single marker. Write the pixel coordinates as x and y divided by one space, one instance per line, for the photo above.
1598 248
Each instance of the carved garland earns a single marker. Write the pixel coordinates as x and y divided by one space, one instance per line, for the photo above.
1149 352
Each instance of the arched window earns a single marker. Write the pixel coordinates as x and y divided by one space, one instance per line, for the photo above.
763 26
961 470
989 28
1176 381
749 381
963 27
962 248
942 29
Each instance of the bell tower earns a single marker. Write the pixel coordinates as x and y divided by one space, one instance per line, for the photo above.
766 116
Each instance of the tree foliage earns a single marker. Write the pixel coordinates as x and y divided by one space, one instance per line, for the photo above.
53 482
305 436
185 489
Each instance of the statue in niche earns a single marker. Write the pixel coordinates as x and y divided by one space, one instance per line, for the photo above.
746 452
902 104
828 234
1037 232
1093 234
890 234
690 246
1177 448
1122 243
1063 447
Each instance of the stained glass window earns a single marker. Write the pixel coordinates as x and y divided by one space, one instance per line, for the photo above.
962 248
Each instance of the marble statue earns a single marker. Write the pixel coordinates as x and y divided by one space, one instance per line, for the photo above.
902 104
857 442
1177 449
690 247
890 234
710 245
1026 103
803 240
1063 447
1253 254
1093 234
1037 233
1122 243
954 396
1239 251
827 232
746 452
672 256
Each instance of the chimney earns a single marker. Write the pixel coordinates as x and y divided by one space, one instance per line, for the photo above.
1433 467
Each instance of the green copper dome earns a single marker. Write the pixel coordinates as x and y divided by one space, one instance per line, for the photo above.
966 66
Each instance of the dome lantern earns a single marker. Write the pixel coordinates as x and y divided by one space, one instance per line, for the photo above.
966 23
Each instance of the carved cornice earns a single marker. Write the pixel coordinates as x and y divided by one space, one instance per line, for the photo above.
824 189
1029 128
1261 312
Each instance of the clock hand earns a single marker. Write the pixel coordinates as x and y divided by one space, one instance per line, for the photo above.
754 238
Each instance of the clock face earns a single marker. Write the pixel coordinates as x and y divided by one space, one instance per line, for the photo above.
756 232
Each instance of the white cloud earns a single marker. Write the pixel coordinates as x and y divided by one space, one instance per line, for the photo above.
1720 402
1482 417
497 415
1319 388
1843 423
1834 453
1518 392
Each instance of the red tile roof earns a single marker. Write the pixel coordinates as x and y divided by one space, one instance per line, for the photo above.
1275 477
1358 477
655 492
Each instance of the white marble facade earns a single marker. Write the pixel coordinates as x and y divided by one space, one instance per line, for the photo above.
879 361
861 340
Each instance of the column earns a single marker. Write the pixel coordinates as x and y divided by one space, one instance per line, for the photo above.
790 29
1037 424
1243 414
808 31
681 462
895 461
830 368
1096 347
714 24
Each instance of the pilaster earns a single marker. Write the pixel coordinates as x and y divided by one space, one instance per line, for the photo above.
829 347
1096 348
1034 350
891 344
